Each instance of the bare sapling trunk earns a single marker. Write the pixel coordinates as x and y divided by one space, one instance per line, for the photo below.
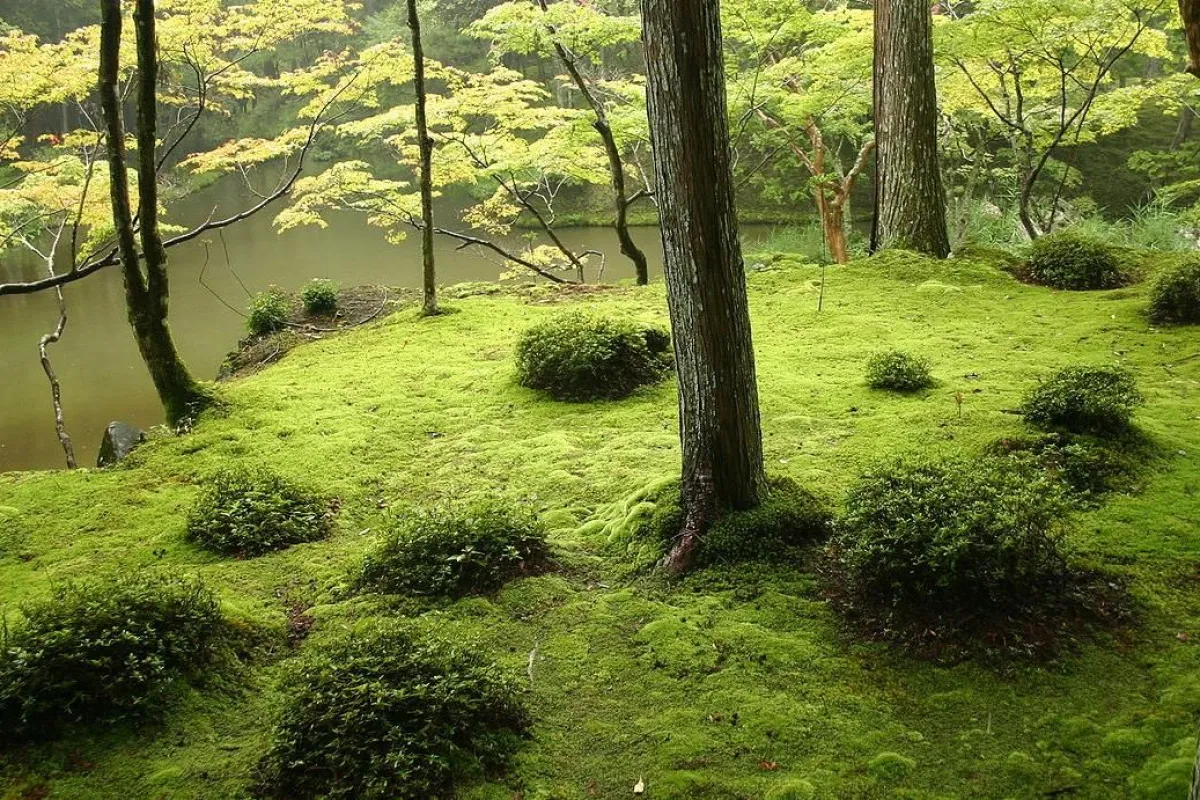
616 164
146 295
425 146
720 429
910 204
60 421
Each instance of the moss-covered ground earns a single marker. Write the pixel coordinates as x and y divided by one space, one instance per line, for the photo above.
734 683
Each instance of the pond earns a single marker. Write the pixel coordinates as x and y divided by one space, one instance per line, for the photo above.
97 362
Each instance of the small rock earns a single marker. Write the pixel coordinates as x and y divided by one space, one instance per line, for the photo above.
120 439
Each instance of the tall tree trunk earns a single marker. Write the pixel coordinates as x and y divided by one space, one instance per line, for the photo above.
1183 131
720 431
1190 9
834 220
910 202
616 164
147 295
425 145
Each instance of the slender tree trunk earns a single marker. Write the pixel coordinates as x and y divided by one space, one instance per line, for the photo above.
425 145
616 164
834 219
1190 9
1183 131
146 296
720 431
910 201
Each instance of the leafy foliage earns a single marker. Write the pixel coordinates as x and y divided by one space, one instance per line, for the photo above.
578 358
1084 399
898 371
320 297
1175 294
966 551
251 511
457 551
387 714
789 518
269 312
104 651
1086 467
1076 261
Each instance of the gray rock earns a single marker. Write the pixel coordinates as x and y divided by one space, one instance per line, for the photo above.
120 439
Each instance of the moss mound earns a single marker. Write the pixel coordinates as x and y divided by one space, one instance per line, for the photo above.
104 651
245 511
1075 261
457 551
389 714
578 358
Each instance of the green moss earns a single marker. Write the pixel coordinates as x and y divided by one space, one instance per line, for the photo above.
369 418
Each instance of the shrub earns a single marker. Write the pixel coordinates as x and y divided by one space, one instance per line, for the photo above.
898 371
956 552
386 714
1076 261
579 358
1084 399
790 517
252 511
269 312
1175 295
320 297
456 551
105 650
1086 467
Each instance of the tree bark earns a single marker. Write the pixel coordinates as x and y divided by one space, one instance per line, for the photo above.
720 430
1190 9
910 201
616 164
425 145
147 295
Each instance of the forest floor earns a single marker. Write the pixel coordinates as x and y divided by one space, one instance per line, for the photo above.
733 683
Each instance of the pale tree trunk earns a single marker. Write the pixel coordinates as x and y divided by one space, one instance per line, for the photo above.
425 145
720 430
146 295
910 202
616 164
1190 9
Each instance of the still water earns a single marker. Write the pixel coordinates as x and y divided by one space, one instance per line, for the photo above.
97 362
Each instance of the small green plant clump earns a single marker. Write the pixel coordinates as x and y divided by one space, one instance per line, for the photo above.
251 511
790 517
457 551
320 297
1084 399
105 651
897 371
388 714
1076 261
958 554
1175 294
1086 467
269 312
578 358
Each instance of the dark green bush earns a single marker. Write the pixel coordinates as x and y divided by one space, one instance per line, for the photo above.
958 553
1175 295
105 650
578 358
269 312
320 297
897 371
1076 261
457 551
250 511
790 517
1086 467
387 714
1084 400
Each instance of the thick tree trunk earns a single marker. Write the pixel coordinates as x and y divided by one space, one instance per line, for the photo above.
910 201
1190 9
616 164
146 295
720 429
425 145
